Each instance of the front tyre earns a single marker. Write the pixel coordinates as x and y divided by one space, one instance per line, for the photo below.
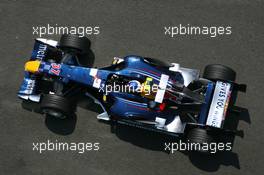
216 72
199 137
57 106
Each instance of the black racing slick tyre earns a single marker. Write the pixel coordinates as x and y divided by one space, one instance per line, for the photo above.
199 136
78 46
216 72
57 106
75 43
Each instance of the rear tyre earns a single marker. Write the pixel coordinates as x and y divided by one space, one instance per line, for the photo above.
86 59
57 106
79 46
75 43
216 72
199 136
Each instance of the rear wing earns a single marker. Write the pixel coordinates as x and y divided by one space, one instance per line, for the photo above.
42 48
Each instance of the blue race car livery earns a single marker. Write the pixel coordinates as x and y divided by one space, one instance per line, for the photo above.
133 90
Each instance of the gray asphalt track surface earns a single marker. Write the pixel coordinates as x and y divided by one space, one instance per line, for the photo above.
135 27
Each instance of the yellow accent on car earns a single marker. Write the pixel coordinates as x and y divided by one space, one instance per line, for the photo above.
149 79
114 62
147 84
32 66
146 90
104 98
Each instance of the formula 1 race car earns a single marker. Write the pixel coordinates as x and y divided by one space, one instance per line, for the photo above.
134 90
